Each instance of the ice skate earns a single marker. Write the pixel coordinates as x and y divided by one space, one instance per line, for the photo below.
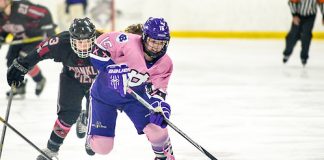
165 158
40 86
49 153
21 91
81 124
88 149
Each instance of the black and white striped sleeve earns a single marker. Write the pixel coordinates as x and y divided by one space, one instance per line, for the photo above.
294 4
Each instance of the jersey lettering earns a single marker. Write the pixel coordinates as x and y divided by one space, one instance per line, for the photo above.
83 73
23 9
136 78
106 43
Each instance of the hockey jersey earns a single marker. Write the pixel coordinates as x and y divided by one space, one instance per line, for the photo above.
123 48
26 20
59 49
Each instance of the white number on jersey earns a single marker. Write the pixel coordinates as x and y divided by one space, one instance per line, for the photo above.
137 78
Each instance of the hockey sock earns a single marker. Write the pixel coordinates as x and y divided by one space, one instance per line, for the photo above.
36 74
160 141
53 146
163 152
60 131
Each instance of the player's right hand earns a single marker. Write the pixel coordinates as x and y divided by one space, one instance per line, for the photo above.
16 73
157 117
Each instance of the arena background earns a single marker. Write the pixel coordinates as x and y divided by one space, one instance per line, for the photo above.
229 91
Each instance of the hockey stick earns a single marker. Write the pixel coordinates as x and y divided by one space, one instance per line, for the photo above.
23 137
148 106
24 41
13 87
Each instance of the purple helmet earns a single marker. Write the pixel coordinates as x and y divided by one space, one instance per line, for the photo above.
158 29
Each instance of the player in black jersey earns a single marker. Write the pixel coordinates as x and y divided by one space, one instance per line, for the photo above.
72 49
25 20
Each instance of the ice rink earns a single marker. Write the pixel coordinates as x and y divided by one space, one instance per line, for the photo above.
233 97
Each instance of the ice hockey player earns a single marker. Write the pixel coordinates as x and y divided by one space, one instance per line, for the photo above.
142 63
72 49
25 20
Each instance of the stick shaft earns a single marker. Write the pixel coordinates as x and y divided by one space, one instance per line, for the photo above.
151 108
4 129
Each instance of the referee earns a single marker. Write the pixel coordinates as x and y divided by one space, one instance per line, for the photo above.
304 13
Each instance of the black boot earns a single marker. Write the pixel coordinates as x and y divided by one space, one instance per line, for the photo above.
304 62
285 59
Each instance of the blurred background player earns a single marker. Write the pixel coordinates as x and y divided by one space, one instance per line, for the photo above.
72 49
71 4
142 63
25 20
69 10
304 13
75 9
102 13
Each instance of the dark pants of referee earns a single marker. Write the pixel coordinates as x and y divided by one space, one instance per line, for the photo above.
303 31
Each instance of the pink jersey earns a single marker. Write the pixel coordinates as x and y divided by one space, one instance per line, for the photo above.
128 49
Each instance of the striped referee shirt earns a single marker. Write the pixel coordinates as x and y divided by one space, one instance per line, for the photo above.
305 7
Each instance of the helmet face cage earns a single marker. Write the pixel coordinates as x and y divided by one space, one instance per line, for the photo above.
82 47
157 29
82 37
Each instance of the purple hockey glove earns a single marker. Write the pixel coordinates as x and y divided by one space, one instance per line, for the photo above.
118 78
157 117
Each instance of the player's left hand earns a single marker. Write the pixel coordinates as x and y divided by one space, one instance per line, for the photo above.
16 73
118 78
157 117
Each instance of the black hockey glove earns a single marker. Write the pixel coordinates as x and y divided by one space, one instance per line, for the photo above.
16 73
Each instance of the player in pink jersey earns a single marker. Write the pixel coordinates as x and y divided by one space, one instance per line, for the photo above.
141 63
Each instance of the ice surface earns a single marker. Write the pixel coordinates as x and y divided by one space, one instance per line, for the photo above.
233 97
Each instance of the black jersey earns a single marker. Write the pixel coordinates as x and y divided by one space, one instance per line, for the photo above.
26 20
59 49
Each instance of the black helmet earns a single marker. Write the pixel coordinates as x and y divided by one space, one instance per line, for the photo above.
82 36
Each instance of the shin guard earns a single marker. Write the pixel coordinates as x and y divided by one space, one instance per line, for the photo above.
61 129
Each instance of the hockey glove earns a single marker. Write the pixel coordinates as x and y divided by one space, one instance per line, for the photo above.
118 78
157 117
16 73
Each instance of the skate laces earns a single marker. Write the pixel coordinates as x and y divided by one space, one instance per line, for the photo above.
87 145
83 120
